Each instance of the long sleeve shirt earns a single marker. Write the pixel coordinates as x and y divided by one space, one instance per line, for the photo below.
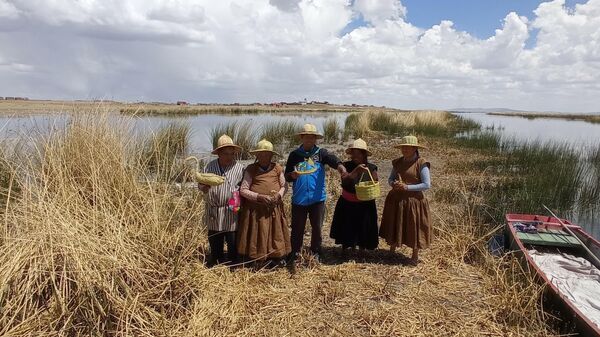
217 216
423 186
251 195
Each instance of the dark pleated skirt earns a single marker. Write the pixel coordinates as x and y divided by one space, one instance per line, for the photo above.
355 224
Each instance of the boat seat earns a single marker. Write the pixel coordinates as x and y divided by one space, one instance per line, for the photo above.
551 238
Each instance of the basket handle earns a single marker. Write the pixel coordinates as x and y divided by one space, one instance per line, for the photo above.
370 175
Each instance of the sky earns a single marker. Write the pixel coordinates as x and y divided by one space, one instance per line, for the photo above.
411 54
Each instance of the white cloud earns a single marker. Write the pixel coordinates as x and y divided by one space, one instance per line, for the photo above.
236 50
8 10
377 11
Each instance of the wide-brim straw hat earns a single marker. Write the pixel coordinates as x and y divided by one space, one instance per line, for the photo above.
310 129
410 141
264 146
225 141
359 144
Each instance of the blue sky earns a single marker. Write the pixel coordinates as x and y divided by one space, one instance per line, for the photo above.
479 18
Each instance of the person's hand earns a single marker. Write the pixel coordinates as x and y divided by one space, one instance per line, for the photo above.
275 198
264 199
362 168
294 175
342 170
399 186
203 188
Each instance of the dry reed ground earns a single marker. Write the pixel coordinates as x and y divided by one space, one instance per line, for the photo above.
91 250
458 290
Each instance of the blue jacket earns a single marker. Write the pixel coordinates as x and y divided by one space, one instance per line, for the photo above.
309 189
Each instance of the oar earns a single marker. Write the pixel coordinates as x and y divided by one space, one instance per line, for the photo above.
593 256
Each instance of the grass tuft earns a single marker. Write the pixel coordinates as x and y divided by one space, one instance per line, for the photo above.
165 149
331 131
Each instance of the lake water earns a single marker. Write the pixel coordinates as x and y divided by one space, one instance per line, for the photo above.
540 129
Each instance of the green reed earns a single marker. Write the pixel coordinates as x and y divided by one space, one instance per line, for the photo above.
331 130
244 134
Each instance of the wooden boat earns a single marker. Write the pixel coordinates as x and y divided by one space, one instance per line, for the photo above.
532 236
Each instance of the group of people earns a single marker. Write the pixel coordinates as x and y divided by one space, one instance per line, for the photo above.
258 230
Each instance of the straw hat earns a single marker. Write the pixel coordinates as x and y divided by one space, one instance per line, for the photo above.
225 141
310 129
359 144
264 146
410 141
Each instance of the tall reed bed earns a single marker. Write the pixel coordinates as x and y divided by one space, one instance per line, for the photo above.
590 193
10 181
93 247
244 134
356 125
487 141
534 174
429 123
331 130
164 150
280 131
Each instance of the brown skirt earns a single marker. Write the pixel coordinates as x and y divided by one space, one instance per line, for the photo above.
405 220
262 232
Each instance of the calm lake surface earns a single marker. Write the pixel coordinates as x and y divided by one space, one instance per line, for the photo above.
540 129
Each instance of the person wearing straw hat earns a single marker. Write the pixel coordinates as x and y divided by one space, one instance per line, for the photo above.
405 218
305 168
355 221
220 219
263 234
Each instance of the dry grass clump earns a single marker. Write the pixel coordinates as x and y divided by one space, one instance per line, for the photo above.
164 150
89 248
10 181
331 130
356 125
400 123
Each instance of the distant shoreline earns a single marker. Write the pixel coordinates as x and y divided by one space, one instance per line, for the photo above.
590 118
36 107
48 107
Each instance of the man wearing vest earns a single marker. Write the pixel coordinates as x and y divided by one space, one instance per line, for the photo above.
305 169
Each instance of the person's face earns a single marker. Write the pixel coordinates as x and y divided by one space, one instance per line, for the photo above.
227 156
408 151
308 141
358 156
264 158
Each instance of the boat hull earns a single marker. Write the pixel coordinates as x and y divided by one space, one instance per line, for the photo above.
519 248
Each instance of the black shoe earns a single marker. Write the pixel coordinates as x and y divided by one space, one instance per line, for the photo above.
316 258
292 257
291 265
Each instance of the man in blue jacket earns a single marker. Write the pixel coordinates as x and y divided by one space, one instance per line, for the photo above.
305 167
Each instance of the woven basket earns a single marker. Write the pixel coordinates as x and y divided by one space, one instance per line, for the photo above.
367 190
